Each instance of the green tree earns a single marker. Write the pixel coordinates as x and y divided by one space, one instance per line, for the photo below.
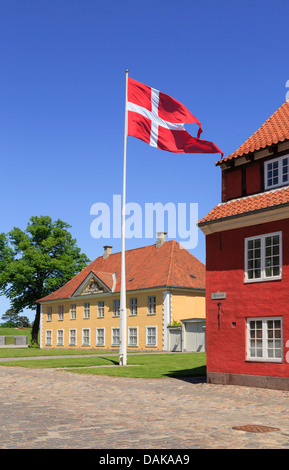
12 317
37 261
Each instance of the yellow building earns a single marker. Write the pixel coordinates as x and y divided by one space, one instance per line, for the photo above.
164 283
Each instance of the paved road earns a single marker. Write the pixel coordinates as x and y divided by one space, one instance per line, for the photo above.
50 409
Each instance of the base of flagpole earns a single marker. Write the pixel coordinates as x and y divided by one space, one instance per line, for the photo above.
122 360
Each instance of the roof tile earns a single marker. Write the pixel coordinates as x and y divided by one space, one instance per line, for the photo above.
146 267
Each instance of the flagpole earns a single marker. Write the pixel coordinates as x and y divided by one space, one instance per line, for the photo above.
122 322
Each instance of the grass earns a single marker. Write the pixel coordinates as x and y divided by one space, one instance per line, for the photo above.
144 366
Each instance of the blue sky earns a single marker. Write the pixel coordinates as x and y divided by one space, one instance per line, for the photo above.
62 88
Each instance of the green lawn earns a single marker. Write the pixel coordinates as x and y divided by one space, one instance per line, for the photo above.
142 365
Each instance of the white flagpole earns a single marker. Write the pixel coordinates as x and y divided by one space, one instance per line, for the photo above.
122 320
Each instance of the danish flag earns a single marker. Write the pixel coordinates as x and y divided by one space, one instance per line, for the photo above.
158 120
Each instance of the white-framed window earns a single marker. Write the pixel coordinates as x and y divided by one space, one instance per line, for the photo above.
151 305
73 312
60 312
264 339
49 313
133 306
100 309
48 338
151 336
72 337
276 172
60 337
115 337
263 257
116 308
100 336
86 310
86 337
132 336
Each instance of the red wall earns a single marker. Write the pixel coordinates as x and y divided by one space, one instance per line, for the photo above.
253 179
231 185
226 346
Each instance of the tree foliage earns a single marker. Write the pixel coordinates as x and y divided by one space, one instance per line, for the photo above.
37 261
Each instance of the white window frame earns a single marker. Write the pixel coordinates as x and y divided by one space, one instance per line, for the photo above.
150 345
73 312
279 162
116 308
265 357
152 305
97 338
60 312
133 306
129 336
100 309
86 310
70 330
112 334
47 343
60 343
83 336
49 313
263 276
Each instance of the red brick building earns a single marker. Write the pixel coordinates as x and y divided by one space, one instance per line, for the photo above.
247 262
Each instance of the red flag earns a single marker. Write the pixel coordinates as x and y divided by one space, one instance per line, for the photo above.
158 120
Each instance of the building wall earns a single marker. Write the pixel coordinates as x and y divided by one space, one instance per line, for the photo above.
141 320
188 305
226 336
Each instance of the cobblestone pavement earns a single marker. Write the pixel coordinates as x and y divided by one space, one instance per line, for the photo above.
50 409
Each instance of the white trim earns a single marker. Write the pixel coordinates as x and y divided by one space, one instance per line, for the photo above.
279 160
263 277
264 357
57 340
85 283
45 337
111 333
167 313
69 343
151 345
82 336
96 337
137 336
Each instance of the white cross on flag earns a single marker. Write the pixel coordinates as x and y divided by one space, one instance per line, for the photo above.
158 120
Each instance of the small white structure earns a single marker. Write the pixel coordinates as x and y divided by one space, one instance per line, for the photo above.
194 335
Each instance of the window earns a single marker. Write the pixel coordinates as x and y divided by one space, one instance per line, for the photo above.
116 308
151 305
133 306
60 335
85 337
60 312
264 339
276 172
263 257
49 313
132 337
72 312
115 337
72 337
151 336
99 336
48 338
100 310
86 310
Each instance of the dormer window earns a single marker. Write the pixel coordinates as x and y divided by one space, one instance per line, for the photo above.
277 172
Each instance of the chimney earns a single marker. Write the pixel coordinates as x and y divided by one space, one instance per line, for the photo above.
161 238
107 251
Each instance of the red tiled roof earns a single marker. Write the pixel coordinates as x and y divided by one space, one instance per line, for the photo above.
245 205
274 130
146 267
